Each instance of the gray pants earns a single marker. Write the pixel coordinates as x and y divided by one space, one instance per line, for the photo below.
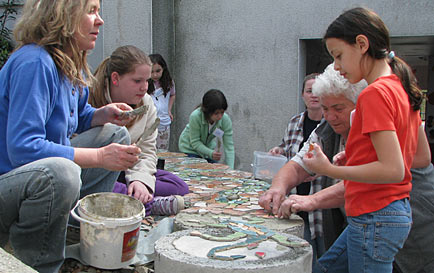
35 200
417 255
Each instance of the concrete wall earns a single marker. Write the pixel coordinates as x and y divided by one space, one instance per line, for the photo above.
125 23
163 35
251 50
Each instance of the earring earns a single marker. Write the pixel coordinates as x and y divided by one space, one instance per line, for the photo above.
115 82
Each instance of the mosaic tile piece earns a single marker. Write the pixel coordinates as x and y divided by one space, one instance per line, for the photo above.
260 255
252 245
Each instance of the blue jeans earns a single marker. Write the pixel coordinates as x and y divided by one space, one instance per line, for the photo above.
98 179
36 198
370 241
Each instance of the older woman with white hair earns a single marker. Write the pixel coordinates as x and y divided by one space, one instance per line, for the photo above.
337 97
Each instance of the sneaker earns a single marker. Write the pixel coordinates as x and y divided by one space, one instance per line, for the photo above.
167 205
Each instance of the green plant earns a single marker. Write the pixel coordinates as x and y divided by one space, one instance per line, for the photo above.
9 9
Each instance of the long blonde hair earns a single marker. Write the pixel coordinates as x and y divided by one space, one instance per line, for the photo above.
51 24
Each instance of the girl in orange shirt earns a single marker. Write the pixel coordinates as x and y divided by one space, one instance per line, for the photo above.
386 134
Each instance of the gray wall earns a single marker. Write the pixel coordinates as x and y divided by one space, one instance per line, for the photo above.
125 23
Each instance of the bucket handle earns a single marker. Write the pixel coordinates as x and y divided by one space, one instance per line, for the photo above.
80 219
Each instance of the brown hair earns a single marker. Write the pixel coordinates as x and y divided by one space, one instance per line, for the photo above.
311 76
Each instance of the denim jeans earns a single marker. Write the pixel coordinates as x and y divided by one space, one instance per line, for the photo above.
98 179
370 241
35 200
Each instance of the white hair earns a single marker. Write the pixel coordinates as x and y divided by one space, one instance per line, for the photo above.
331 82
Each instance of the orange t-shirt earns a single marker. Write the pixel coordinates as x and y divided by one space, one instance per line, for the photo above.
382 106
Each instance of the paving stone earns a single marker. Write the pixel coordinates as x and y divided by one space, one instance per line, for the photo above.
8 263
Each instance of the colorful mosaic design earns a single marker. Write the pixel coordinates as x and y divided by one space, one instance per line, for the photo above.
254 235
215 188
224 193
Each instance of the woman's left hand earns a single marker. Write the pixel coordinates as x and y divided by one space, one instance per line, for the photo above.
316 161
139 191
115 113
112 113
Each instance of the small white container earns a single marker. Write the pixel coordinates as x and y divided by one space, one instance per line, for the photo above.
265 165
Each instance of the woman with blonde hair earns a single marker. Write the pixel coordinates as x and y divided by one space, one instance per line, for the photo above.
43 103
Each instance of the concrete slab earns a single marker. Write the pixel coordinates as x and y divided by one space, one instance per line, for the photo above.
8 263
182 253
185 220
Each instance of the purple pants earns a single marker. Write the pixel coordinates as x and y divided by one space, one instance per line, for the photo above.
166 184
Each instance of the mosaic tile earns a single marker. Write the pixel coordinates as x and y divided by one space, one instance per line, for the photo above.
252 245
260 255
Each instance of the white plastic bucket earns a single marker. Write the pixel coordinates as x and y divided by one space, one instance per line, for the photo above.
109 229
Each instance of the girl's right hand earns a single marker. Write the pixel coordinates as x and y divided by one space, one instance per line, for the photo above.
118 157
216 156
139 191
316 161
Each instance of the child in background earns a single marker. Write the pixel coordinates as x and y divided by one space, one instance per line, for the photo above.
162 90
386 135
208 120
123 77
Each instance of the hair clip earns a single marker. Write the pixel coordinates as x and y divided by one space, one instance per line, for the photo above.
391 55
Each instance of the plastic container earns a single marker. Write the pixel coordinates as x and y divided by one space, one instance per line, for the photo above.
109 229
265 165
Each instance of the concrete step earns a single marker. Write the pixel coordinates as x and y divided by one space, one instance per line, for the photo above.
8 263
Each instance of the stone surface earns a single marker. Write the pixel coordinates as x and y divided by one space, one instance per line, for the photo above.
185 220
8 263
179 252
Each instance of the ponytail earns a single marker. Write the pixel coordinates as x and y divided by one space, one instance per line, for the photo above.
408 80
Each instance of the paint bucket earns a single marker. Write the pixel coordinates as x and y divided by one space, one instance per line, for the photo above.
109 229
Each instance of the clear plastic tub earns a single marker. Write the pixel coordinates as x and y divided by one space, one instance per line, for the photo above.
265 165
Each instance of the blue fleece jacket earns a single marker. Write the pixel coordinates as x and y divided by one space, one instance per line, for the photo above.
39 109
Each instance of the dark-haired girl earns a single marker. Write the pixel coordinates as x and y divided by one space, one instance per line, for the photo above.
386 139
198 139
162 90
